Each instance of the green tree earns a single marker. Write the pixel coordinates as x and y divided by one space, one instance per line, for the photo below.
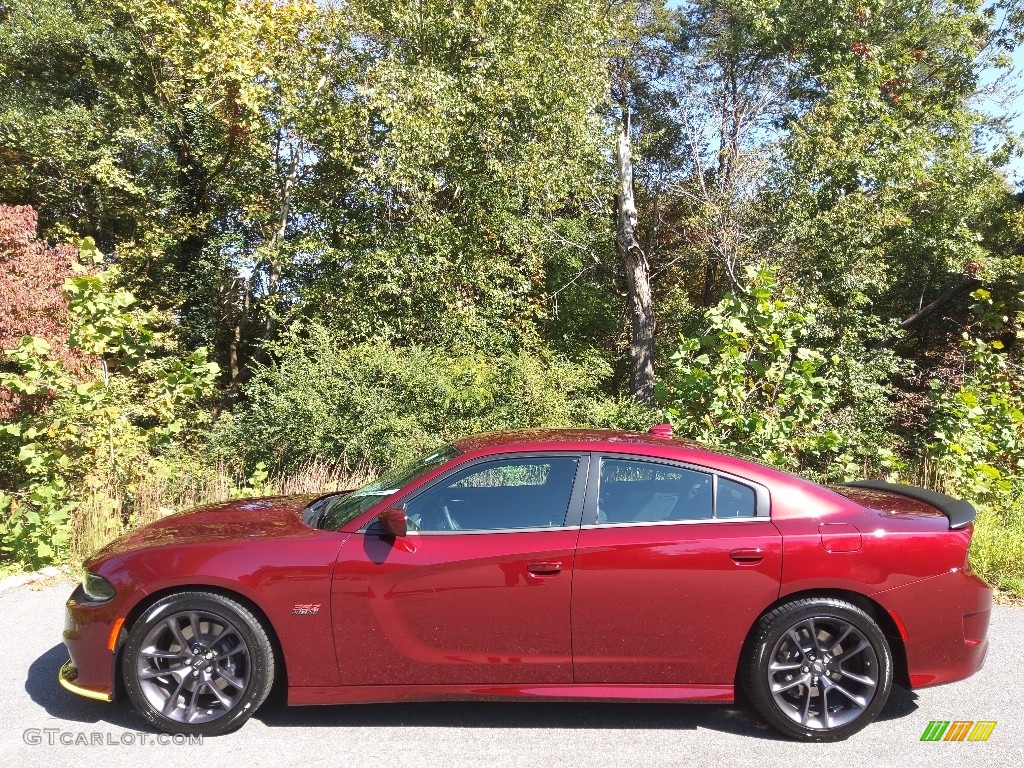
757 383
103 429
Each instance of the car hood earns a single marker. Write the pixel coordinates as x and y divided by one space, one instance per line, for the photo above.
271 517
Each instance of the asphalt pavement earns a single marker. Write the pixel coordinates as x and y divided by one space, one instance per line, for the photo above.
41 724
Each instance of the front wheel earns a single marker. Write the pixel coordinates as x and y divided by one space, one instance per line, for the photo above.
818 669
197 663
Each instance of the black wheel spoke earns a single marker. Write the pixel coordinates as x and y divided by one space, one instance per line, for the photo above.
805 714
148 674
162 654
172 624
862 644
172 700
795 638
839 640
223 698
228 632
862 679
782 687
860 701
228 654
813 630
193 703
231 680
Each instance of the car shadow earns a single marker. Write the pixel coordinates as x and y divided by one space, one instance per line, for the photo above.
41 685
738 719
526 714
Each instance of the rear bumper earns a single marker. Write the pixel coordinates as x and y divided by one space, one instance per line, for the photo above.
945 619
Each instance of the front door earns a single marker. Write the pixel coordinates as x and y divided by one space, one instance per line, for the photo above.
478 592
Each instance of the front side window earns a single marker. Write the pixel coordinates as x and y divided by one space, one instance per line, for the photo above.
501 494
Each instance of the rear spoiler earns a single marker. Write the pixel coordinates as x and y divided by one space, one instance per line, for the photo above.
959 512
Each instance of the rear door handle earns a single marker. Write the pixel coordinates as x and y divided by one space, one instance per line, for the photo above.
544 569
747 556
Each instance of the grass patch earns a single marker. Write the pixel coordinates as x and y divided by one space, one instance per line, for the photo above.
997 549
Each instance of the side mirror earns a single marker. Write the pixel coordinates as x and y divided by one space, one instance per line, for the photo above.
393 521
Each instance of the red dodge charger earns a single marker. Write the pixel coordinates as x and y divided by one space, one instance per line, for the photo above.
546 564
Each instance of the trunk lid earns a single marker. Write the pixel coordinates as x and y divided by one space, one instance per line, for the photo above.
895 498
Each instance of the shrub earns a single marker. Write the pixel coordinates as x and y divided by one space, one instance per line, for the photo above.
977 428
375 404
997 548
757 383
92 434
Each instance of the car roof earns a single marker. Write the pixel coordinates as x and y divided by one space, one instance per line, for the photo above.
642 444
561 437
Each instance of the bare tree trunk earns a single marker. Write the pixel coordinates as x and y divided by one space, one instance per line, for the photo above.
241 288
638 273
286 190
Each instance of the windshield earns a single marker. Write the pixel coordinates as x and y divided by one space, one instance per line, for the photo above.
334 511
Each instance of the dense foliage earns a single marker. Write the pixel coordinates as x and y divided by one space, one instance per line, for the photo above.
759 383
374 404
276 232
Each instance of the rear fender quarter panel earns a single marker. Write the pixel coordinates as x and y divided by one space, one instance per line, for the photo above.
914 567
892 553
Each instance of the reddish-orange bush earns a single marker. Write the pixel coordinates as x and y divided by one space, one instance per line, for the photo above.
32 300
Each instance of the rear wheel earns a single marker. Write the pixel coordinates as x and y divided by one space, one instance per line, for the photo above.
818 669
197 663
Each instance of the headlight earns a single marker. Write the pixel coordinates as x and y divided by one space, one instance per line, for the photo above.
97 588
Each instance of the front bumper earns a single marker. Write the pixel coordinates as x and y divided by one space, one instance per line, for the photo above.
69 674
87 636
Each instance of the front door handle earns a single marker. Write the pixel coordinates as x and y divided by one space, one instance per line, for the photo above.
747 556
544 569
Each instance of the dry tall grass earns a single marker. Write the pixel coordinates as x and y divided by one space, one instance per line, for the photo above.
110 511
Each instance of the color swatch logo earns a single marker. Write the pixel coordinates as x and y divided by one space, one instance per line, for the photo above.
958 730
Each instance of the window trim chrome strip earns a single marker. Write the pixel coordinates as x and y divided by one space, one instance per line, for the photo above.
646 524
535 529
762 496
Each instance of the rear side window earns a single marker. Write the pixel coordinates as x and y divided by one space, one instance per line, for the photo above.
645 492
633 491
735 499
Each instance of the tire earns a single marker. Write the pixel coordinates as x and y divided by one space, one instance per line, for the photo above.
818 669
197 663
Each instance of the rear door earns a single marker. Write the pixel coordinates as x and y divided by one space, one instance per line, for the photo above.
479 591
673 566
